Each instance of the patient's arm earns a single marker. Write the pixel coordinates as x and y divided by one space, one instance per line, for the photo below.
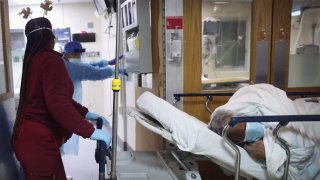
256 150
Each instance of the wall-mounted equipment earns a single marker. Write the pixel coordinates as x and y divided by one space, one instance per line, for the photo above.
137 35
84 37
63 35
108 6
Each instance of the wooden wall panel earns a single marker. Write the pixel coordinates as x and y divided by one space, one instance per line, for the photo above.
145 139
192 57
192 19
281 26
157 47
261 29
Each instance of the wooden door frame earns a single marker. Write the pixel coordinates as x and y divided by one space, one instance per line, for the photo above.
261 28
4 12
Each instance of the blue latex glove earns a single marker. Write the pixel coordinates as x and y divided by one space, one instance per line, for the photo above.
93 117
113 61
99 134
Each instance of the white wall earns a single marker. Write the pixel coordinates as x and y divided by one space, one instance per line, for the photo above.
75 16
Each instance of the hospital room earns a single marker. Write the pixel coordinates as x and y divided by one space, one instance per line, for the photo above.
159 89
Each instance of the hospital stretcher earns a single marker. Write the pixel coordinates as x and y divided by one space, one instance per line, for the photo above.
282 120
141 165
219 153
179 128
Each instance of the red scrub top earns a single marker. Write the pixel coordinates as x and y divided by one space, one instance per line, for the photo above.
50 116
49 99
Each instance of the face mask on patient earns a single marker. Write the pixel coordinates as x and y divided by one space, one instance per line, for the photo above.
254 132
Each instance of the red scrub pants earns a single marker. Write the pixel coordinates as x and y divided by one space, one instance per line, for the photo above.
37 149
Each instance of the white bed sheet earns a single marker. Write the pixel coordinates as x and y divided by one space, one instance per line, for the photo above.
192 135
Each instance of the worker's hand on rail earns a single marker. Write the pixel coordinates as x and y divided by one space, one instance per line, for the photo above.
94 117
123 72
102 135
113 61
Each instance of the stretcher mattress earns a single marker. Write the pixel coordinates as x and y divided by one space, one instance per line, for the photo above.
192 135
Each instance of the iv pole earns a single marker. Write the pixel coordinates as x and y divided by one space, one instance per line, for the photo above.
116 86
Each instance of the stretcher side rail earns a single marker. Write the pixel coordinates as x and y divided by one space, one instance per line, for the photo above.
211 95
178 96
283 121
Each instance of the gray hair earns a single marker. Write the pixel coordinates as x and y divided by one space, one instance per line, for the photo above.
218 121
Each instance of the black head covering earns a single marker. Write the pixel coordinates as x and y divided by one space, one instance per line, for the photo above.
37 24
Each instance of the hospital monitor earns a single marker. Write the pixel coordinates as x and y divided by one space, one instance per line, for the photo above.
105 6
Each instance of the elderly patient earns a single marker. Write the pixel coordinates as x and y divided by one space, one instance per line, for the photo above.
301 137
247 135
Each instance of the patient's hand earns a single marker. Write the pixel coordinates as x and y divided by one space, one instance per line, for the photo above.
256 150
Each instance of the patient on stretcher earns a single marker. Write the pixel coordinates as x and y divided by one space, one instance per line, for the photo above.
247 135
302 137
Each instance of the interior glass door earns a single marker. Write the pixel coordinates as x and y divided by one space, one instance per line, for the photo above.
304 59
226 29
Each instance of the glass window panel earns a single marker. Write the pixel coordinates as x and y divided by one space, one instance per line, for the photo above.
304 59
225 44
17 41
3 74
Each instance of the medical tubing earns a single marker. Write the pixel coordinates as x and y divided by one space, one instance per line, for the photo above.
100 153
115 97
236 149
284 145
209 98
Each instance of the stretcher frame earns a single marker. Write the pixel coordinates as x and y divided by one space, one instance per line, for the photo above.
283 121
152 124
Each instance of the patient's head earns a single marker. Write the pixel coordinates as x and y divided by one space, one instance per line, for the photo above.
219 119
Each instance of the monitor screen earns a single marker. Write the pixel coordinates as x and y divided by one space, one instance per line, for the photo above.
63 35
101 6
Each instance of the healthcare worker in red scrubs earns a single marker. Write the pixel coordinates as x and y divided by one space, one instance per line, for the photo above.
47 116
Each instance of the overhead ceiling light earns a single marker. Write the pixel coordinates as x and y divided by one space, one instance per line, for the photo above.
29 2
220 2
296 13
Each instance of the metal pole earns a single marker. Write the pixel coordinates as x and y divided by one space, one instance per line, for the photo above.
115 97
236 149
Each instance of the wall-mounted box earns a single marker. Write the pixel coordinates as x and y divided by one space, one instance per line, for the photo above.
137 35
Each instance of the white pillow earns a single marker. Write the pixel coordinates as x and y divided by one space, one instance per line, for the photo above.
182 126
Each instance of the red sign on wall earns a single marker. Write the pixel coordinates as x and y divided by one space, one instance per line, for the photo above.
174 22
